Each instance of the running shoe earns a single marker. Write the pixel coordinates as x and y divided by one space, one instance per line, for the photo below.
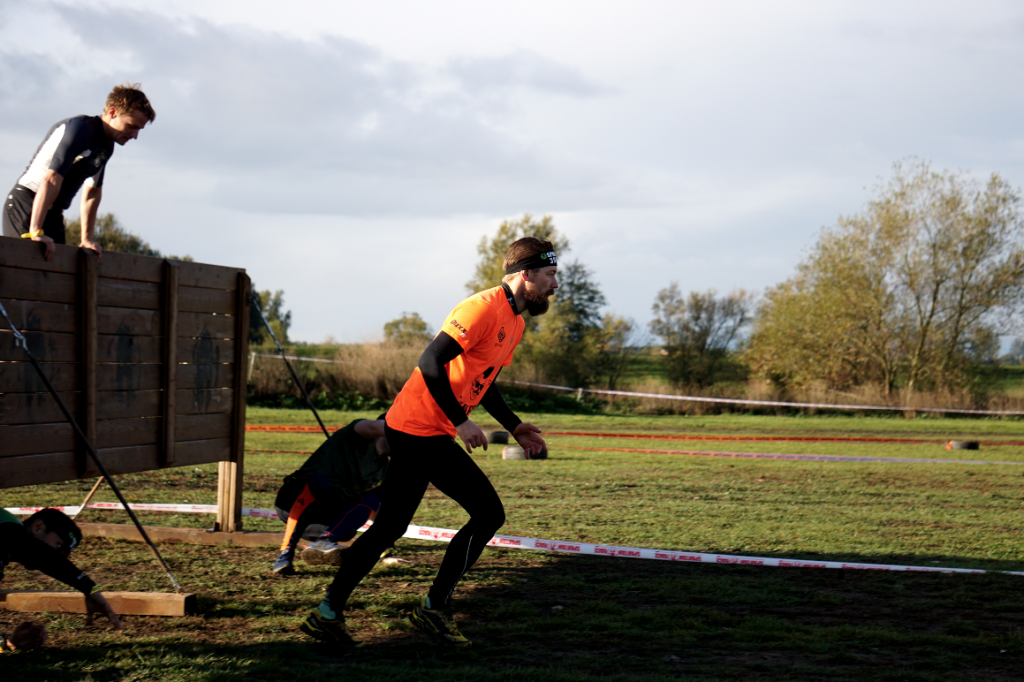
328 631
438 624
283 563
324 551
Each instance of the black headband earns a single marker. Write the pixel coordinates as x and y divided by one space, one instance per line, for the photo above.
541 260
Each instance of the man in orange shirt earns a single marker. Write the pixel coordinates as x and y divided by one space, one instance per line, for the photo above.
455 374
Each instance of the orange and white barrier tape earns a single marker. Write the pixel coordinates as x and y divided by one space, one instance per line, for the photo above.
514 542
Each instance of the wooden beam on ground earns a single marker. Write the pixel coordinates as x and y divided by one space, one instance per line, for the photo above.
123 603
189 536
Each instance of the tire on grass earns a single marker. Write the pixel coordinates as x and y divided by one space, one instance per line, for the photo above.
962 445
513 452
498 438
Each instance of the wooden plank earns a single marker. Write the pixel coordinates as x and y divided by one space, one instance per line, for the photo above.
51 467
206 326
39 316
21 377
169 369
206 376
35 439
127 377
88 287
34 408
123 603
57 466
36 469
129 404
28 255
128 294
127 349
131 266
205 351
197 300
131 321
37 285
45 347
203 426
51 347
122 433
41 408
202 451
199 401
208 276
32 439
192 536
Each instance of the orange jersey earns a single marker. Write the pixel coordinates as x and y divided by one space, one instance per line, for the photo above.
488 331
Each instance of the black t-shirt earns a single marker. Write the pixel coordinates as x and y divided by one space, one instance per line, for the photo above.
78 149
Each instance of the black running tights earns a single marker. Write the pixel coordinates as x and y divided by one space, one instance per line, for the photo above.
415 462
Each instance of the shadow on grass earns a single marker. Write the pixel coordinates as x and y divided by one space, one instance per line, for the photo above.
553 617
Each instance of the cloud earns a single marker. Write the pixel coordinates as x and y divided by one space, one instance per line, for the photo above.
527 70
258 121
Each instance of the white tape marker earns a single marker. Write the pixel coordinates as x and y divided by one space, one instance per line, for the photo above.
514 542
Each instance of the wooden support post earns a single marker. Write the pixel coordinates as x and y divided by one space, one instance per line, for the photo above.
123 603
169 378
229 497
88 286
231 474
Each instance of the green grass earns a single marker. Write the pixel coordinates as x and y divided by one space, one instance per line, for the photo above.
621 619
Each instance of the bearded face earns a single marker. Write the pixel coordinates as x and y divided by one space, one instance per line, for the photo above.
539 288
536 302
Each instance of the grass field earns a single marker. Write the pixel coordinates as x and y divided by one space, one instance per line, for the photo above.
621 619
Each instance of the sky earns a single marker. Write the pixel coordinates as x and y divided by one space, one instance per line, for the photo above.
355 154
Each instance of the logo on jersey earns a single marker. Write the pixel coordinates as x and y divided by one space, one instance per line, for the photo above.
455 323
480 384
501 335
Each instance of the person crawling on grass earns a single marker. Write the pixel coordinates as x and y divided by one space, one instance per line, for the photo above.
42 543
333 490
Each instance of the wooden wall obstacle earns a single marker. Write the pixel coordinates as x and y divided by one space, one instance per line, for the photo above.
149 354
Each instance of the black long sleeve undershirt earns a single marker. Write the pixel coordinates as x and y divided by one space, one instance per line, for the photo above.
494 402
442 350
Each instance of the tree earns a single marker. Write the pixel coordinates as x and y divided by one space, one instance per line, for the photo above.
911 290
408 330
576 345
573 343
272 308
490 269
699 332
111 235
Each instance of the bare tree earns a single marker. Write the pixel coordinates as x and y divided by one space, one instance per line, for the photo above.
699 331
